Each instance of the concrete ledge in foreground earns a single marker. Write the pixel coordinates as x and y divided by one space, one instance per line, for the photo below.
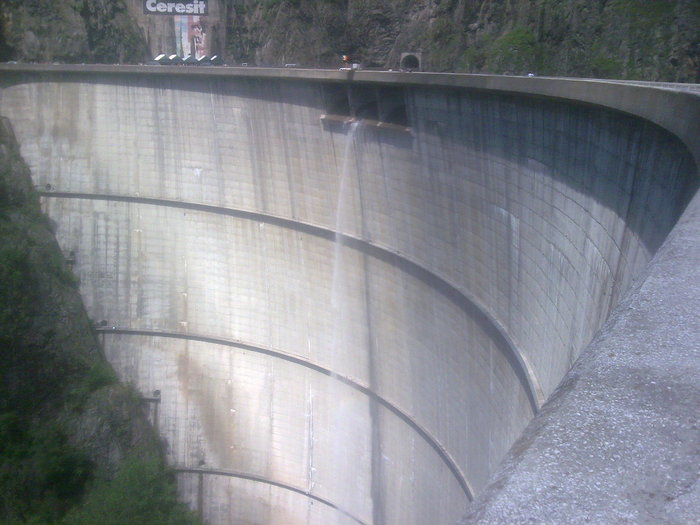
619 440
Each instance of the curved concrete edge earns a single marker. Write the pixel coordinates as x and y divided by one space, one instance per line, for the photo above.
259 479
521 366
618 441
364 389
675 107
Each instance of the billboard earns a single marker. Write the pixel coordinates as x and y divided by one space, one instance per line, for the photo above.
191 36
187 7
189 19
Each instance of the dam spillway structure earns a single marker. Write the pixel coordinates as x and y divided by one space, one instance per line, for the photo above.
351 291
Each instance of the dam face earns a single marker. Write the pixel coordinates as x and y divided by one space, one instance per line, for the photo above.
345 322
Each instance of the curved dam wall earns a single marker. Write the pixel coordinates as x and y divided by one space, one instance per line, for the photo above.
344 321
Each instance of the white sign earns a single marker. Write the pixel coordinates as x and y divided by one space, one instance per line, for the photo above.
191 7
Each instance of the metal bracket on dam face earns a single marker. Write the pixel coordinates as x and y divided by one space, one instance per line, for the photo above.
348 381
468 304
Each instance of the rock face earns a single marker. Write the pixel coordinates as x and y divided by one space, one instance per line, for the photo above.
601 38
67 428
69 31
634 39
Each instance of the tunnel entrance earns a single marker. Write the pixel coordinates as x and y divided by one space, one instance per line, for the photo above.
410 61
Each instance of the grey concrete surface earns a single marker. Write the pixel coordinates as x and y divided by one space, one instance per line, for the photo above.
619 440
353 323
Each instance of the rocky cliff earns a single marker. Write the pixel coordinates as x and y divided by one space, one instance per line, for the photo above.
75 446
635 39
69 31
601 38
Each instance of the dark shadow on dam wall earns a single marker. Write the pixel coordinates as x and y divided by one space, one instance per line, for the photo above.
352 296
635 168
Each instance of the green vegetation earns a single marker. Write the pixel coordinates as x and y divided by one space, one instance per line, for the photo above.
515 52
41 474
605 65
64 419
69 31
643 39
444 41
46 479
143 491
112 36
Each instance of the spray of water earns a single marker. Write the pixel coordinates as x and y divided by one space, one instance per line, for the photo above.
338 293
347 417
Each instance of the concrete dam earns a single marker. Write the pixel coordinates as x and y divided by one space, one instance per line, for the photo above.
344 295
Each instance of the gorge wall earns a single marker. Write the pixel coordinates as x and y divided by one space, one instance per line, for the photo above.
633 39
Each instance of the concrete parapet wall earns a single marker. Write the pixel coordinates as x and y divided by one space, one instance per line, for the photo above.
348 323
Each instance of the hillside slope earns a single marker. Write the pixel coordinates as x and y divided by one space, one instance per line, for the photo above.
75 446
629 39
601 38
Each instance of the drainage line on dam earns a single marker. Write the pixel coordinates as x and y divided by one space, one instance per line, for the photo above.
470 306
260 479
412 423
